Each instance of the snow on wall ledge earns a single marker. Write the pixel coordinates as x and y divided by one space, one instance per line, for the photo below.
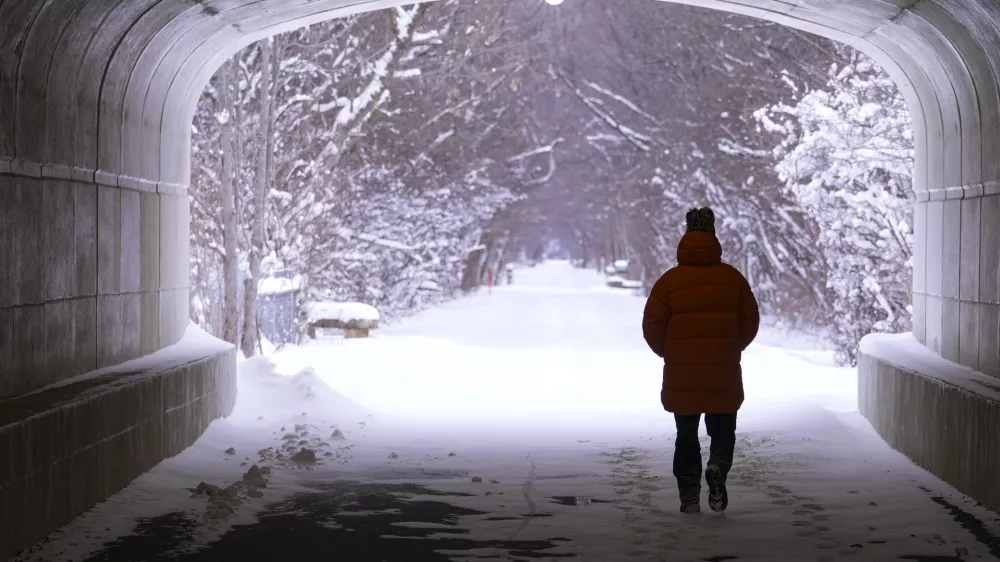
68 446
940 414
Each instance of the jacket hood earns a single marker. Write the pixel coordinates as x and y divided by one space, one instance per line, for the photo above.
699 248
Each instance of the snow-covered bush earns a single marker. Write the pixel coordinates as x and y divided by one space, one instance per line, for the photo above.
847 159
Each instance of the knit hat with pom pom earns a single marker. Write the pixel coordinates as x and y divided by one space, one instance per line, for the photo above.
700 220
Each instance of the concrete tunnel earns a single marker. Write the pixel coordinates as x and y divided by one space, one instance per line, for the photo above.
96 104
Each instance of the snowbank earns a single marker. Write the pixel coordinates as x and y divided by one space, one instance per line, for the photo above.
778 333
342 311
264 392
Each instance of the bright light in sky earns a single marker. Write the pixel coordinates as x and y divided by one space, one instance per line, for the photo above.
553 2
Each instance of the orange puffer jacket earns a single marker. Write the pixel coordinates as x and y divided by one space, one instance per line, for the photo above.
699 318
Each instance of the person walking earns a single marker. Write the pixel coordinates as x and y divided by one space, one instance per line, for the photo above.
699 317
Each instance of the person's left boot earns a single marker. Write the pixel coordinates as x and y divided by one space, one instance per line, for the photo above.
718 498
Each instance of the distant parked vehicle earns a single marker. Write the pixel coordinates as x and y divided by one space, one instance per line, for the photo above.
617 276
613 277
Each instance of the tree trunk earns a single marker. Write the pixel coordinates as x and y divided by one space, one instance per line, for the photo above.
230 323
473 265
250 328
476 268
499 254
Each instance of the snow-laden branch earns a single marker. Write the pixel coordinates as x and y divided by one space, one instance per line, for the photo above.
622 100
639 140
734 148
536 151
348 234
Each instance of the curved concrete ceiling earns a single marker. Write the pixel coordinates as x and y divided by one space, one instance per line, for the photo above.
107 88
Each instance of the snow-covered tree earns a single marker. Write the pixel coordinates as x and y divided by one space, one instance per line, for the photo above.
846 157
385 144
663 98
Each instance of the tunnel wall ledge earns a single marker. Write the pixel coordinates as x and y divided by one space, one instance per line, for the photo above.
959 192
941 415
68 446
39 170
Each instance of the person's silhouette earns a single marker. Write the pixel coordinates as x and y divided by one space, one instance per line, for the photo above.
699 317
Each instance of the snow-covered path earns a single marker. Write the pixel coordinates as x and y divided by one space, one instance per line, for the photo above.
525 424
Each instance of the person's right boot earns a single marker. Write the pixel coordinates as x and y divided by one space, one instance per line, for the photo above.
718 498
690 499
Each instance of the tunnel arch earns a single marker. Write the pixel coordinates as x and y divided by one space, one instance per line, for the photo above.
96 105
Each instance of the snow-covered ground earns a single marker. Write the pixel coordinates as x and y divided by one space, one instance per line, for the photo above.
534 413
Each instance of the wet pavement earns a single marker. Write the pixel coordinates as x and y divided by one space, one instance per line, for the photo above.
530 508
345 520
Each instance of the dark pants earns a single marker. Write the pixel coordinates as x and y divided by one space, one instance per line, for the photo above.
687 450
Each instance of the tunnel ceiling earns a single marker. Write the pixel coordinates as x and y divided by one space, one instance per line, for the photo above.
104 90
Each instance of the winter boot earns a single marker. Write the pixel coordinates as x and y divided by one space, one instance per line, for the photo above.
690 508
690 499
718 499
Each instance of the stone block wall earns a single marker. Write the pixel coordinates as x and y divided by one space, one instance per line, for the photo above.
956 275
91 275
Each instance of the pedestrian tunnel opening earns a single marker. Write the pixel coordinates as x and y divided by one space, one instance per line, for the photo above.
403 158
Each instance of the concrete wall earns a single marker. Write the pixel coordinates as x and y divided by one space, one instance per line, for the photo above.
92 275
64 450
96 101
957 292
960 443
